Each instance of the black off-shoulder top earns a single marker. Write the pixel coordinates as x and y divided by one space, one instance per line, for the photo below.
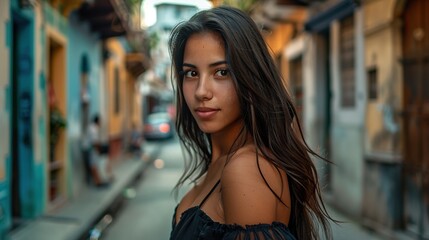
195 224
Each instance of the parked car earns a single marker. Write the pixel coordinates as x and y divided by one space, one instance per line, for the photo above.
158 125
169 108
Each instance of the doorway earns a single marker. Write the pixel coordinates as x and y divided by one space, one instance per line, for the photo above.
415 63
325 100
57 115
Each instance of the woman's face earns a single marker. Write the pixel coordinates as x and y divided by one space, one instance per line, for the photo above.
208 88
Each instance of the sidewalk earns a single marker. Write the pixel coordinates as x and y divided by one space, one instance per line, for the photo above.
351 229
74 220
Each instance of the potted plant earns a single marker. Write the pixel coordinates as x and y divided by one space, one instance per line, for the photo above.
57 123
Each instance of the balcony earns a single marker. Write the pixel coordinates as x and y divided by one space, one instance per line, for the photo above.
110 18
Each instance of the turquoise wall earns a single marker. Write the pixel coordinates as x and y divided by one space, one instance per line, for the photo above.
32 188
25 77
80 41
11 13
82 44
5 103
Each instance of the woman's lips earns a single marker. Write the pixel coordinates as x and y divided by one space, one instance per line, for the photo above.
206 113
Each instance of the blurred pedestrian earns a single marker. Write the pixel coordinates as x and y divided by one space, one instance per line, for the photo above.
253 172
86 155
97 154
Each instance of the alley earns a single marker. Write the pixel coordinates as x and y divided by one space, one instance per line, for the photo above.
148 215
357 72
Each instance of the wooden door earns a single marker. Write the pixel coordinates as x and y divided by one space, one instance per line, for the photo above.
415 45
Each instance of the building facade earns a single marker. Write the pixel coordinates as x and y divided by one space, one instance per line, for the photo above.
157 86
52 77
358 73
396 157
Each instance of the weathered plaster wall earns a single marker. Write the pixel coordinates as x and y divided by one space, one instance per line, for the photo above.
382 207
5 39
82 44
116 61
382 123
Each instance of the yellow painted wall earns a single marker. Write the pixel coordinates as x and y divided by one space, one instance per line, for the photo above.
55 51
116 61
378 13
280 37
276 41
382 50
119 124
282 33
134 104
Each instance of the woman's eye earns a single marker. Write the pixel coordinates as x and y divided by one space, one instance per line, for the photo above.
222 73
190 73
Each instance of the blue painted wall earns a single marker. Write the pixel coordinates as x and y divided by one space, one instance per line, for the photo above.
24 78
80 41
31 77
82 44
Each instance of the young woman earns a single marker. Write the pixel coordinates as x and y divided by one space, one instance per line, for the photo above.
253 173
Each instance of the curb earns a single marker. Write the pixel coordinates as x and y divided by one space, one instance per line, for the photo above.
77 217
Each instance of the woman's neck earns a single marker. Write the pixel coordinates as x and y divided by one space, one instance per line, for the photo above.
228 142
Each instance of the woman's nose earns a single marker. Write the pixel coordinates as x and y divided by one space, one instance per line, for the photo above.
204 91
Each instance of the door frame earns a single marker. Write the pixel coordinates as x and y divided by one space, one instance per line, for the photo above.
56 69
21 135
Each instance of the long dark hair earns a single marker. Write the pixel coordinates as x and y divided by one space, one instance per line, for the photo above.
267 110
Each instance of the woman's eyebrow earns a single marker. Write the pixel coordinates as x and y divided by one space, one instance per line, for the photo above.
217 63
189 65
210 65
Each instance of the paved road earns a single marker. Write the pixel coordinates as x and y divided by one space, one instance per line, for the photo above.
148 215
350 230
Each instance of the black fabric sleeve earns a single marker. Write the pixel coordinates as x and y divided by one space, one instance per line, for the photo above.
274 231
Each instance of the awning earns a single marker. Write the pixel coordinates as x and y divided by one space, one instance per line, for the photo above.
322 20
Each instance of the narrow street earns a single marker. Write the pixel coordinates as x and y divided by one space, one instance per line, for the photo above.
148 214
357 72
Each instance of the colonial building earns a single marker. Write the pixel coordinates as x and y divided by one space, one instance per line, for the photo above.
53 74
358 71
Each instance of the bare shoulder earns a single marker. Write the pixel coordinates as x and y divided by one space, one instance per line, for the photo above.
246 197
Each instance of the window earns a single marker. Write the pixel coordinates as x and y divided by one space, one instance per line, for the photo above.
116 97
85 96
372 83
347 62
